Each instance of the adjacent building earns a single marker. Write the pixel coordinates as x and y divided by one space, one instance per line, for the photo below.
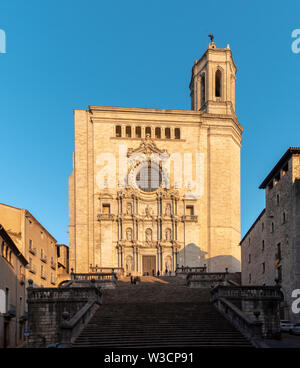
12 292
155 188
36 244
63 272
271 247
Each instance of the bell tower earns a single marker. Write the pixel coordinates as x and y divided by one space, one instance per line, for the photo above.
212 84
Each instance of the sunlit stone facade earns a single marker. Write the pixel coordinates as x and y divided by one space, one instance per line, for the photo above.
153 188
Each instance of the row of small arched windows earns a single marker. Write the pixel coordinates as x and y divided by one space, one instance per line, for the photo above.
137 131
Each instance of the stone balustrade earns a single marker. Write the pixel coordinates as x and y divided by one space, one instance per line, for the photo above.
117 270
189 218
37 295
94 276
103 280
185 270
257 303
206 279
248 292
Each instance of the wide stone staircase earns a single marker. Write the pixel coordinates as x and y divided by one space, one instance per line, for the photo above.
158 312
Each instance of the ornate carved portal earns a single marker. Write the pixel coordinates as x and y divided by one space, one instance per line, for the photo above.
146 218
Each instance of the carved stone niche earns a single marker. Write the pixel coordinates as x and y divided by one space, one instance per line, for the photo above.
168 209
129 210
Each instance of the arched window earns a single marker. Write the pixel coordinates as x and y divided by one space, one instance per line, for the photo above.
168 133
157 133
202 81
118 131
6 252
138 132
148 131
218 83
9 259
128 132
177 133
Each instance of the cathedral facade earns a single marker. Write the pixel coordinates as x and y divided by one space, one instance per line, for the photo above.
154 189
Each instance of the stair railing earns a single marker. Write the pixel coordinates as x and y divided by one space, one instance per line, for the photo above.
71 328
253 310
252 330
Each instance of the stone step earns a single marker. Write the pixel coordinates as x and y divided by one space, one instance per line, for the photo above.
179 336
159 312
139 344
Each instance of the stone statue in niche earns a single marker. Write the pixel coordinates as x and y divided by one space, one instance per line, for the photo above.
168 210
129 234
148 235
168 234
129 209
129 264
148 211
168 263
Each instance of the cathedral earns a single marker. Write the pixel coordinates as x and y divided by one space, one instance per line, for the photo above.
156 189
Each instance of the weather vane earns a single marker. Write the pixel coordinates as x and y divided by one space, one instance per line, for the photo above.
211 37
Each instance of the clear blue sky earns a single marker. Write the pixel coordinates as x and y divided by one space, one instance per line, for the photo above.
69 54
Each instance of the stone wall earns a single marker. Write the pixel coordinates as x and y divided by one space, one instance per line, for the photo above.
210 279
45 309
277 228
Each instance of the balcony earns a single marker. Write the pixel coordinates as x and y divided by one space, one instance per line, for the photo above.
189 218
53 265
32 268
44 258
43 275
105 217
32 250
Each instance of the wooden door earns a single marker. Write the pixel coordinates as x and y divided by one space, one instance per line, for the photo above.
149 265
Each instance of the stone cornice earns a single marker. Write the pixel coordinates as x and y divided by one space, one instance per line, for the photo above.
163 117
